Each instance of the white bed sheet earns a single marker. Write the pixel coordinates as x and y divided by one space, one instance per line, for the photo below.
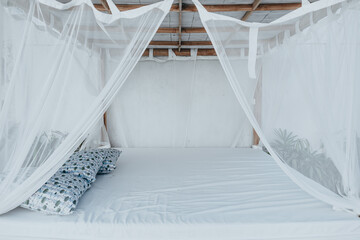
208 194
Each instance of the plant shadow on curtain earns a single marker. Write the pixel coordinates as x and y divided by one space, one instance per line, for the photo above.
55 89
308 66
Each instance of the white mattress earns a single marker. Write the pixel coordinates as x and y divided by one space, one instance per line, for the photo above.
208 194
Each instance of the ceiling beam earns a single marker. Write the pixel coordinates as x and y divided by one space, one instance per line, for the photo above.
255 5
164 52
180 20
184 43
214 8
183 30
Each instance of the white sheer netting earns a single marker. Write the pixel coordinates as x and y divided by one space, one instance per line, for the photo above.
306 66
56 89
61 66
315 95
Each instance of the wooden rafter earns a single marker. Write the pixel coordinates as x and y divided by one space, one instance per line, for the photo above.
184 43
180 20
255 5
164 52
214 8
105 5
183 30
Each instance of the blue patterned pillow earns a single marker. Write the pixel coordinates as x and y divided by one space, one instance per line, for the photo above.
110 156
85 164
59 195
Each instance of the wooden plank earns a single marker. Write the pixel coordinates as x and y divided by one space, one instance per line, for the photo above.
184 52
168 30
255 5
180 20
193 30
246 15
185 43
214 8
206 52
105 5
183 30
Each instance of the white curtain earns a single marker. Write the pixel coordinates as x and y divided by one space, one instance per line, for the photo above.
178 103
308 65
56 90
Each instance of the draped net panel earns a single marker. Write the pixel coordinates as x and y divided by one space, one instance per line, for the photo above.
56 89
306 65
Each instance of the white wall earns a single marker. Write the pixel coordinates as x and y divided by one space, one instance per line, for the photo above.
178 104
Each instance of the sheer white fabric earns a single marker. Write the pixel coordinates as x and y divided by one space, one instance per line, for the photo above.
178 104
57 91
309 108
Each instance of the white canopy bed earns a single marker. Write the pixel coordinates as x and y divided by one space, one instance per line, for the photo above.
294 81
216 193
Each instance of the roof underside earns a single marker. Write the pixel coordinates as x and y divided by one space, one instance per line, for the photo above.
168 35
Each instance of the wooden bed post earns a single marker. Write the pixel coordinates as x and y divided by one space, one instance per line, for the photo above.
103 78
102 61
257 107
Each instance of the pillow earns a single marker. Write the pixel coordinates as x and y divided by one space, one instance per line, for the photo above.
85 164
59 195
110 156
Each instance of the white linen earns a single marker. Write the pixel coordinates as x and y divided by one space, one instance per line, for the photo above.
190 194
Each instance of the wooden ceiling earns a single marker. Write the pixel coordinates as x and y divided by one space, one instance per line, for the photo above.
182 28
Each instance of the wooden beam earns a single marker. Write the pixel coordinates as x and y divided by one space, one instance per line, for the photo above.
206 52
183 30
214 8
162 52
105 5
193 30
180 20
255 5
185 43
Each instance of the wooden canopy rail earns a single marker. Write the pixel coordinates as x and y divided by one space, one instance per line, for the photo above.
102 63
214 8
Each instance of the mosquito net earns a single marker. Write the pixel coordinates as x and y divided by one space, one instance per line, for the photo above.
55 90
306 63
62 65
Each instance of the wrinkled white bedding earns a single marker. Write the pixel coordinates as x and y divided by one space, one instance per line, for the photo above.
166 194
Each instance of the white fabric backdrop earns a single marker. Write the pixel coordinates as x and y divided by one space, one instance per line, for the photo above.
178 104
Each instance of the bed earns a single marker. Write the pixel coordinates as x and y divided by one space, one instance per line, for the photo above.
208 194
